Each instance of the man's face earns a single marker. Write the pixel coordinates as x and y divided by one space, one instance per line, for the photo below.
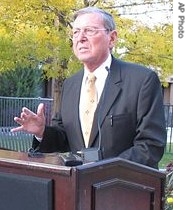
92 50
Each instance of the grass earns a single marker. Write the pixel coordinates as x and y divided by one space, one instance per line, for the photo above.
167 157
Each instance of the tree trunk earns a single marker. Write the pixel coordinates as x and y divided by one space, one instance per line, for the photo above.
56 94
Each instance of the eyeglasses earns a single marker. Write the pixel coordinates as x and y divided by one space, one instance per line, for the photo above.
88 31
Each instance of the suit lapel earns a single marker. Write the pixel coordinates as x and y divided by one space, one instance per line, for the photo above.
110 93
76 95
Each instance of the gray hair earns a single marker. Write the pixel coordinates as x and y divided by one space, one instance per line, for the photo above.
108 20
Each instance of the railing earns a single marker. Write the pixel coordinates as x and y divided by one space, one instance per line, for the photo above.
169 126
21 141
11 107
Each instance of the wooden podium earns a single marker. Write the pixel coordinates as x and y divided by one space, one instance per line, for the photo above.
45 184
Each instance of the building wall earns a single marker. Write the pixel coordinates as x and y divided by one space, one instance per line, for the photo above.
168 94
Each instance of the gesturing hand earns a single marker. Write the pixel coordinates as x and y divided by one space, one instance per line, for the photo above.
31 122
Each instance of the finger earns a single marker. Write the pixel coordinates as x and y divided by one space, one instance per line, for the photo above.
27 111
25 116
20 128
40 109
18 120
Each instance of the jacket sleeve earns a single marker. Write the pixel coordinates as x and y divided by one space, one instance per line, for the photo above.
150 139
54 139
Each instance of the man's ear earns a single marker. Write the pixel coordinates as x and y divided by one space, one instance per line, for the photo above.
113 38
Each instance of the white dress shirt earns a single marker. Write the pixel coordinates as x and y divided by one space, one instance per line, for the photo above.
101 74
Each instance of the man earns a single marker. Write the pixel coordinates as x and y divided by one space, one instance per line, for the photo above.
129 119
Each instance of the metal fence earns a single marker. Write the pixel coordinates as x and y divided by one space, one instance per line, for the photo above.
169 126
21 141
11 107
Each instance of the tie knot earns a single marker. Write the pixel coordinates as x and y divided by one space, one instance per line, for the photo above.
91 77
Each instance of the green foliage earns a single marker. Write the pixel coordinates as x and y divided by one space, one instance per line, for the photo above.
149 46
21 82
38 31
33 32
167 157
169 187
166 164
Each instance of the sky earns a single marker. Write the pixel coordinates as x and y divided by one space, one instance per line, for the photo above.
149 15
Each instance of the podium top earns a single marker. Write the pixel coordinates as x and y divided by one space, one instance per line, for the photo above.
122 180
48 162
52 163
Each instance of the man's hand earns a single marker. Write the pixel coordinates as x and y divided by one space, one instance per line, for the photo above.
31 122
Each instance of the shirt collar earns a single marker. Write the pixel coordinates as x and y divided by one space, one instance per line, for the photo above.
101 70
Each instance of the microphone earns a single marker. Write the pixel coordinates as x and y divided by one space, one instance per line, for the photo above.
34 153
94 154
101 105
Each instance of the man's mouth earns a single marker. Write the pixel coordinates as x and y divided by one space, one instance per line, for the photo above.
80 48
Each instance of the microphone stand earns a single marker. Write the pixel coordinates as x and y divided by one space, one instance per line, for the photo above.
94 154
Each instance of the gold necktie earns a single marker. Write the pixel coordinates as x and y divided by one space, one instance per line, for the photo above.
89 107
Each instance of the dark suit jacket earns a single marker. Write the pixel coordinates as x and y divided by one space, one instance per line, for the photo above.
130 114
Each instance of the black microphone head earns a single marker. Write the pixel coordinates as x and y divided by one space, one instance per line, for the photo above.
107 69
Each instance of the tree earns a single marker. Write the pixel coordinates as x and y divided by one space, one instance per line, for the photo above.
33 33
21 82
149 46
36 33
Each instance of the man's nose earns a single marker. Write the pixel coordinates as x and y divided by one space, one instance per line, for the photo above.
81 35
